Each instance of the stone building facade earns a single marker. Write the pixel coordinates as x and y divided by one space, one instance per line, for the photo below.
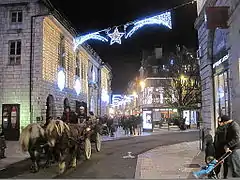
219 64
40 71
106 91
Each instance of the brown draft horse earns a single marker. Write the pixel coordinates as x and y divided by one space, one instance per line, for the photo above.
64 139
31 138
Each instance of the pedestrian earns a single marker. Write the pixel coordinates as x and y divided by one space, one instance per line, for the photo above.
110 126
69 116
3 145
219 142
232 144
210 149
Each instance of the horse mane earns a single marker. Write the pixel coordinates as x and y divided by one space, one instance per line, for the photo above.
58 125
30 133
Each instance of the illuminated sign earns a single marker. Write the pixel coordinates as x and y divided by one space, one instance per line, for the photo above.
220 61
61 79
147 120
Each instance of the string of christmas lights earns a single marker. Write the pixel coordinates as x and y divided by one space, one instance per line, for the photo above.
114 36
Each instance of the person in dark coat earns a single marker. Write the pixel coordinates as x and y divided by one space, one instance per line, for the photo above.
110 126
210 149
219 142
81 116
232 144
3 145
69 116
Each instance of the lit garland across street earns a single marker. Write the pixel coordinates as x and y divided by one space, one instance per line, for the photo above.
162 19
82 39
115 36
130 28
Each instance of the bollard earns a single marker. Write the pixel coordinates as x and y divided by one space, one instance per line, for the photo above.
203 140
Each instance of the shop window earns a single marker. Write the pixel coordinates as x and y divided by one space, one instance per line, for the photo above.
221 94
15 52
16 16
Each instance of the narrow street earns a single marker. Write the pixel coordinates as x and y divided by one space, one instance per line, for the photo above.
109 163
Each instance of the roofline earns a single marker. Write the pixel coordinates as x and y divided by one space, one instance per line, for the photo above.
60 17
108 67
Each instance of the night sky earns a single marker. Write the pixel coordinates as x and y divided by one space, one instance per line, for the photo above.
92 15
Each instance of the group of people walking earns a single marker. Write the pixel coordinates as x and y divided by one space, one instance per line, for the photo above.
131 124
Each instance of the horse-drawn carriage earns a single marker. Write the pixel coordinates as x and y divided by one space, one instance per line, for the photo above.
60 140
92 135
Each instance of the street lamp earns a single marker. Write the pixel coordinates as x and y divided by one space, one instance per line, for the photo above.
142 84
183 78
134 94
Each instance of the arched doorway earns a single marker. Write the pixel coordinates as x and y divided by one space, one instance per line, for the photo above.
50 106
66 103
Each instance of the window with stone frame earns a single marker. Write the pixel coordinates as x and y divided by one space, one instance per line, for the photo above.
82 71
77 70
16 16
61 51
15 52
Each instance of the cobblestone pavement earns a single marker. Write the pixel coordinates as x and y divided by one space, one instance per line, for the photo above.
168 162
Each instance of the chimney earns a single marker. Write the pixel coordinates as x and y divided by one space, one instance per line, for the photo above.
158 53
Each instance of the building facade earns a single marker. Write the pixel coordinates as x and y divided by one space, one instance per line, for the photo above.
41 72
106 91
153 78
219 63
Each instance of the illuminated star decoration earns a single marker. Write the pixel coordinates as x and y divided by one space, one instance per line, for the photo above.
81 39
161 19
115 36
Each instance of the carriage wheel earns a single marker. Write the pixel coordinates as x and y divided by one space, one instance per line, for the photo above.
87 149
98 142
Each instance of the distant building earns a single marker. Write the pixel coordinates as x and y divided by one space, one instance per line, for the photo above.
40 73
153 77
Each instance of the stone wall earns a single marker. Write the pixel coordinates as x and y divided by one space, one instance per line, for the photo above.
234 43
205 38
15 78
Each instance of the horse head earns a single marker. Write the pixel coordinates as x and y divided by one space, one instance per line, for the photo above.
55 130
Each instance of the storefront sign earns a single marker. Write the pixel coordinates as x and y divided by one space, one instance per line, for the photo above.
220 61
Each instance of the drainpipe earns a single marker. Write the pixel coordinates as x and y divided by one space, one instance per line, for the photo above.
213 83
31 64
99 91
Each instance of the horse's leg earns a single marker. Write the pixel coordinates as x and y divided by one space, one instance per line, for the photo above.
48 151
33 155
62 163
74 156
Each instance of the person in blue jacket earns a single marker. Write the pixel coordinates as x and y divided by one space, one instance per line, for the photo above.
205 170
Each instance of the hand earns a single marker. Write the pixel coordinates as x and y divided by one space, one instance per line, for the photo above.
227 149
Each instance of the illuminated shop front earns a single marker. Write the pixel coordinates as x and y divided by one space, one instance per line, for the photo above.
221 74
153 115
